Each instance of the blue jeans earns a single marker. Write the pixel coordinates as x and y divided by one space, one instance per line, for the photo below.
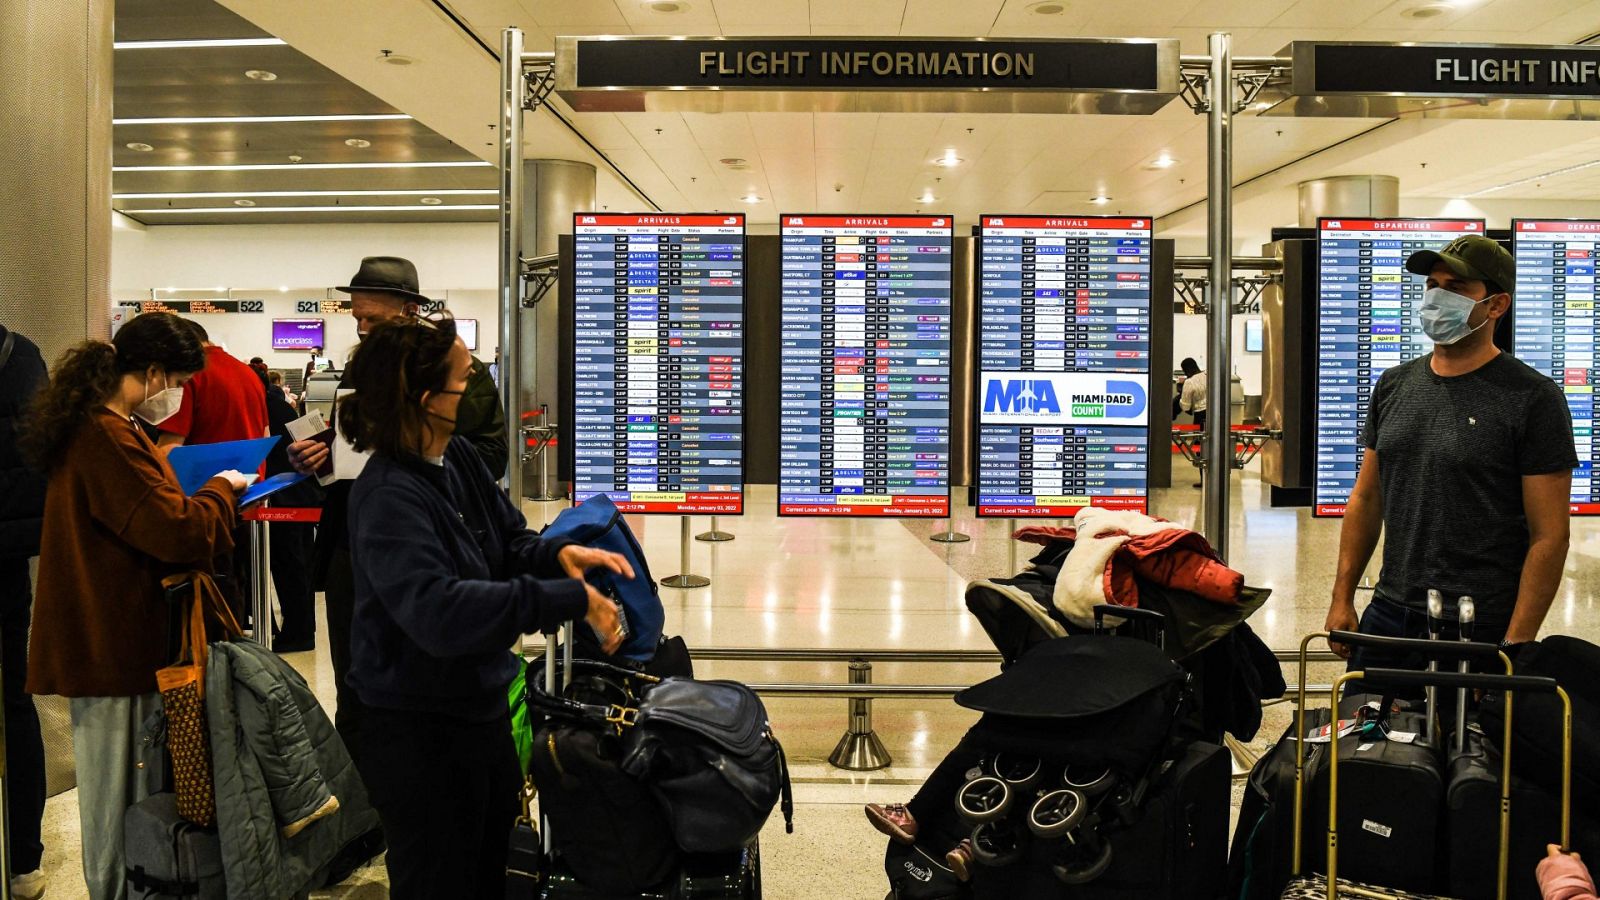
1389 619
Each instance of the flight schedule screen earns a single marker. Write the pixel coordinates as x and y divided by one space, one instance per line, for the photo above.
1064 364
1556 326
659 351
1367 305
865 358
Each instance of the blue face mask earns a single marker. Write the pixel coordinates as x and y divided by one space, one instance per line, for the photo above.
1445 316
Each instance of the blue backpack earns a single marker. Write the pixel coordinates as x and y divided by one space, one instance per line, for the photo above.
597 523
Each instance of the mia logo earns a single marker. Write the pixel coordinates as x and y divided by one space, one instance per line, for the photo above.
1025 396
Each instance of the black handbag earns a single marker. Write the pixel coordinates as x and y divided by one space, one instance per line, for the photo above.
704 748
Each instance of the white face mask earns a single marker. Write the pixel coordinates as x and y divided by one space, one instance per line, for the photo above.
160 407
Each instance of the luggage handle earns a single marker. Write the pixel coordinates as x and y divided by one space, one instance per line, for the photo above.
1440 651
1400 677
1134 615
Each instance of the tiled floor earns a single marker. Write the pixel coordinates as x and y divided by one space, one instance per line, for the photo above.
874 584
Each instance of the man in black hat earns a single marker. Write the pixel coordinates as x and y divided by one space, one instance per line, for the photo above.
385 288
1468 471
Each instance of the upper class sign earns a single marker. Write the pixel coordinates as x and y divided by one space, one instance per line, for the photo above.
889 74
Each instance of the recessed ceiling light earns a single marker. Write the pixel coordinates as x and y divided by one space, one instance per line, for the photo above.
266 167
750 198
927 197
140 146
397 59
665 6
189 45
1100 201
733 161
1427 11
430 201
283 289
358 143
949 160
243 202
1047 8
1263 104
241 120
208 210
260 75
1162 162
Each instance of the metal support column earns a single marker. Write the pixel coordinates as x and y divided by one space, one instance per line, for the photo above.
512 86
1219 240
261 581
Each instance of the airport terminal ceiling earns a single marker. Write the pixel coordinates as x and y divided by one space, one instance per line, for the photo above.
338 60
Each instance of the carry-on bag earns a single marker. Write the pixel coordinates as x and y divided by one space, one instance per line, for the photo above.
168 857
1329 884
1575 664
918 874
183 694
596 522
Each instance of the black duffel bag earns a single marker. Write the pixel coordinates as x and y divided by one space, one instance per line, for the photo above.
704 749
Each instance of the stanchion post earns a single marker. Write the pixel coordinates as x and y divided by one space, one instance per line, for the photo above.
715 535
1011 547
950 535
1219 240
261 582
860 749
684 579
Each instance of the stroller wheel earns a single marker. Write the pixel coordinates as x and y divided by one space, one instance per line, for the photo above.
1021 773
1057 813
995 846
1079 866
983 800
1091 781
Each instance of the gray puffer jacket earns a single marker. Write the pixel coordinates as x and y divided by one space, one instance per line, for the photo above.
288 797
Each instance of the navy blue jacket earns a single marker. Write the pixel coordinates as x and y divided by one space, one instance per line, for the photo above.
447 576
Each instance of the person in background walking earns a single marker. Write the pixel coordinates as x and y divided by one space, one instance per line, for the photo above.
115 523
22 374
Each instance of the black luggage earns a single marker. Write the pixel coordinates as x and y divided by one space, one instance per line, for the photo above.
1336 849
169 857
1175 850
916 873
1472 810
734 875
1575 664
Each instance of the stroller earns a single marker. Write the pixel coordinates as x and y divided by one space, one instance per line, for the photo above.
1092 771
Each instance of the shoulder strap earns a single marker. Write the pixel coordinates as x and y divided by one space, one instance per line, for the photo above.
6 347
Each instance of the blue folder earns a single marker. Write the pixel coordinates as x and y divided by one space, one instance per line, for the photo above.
196 464
261 489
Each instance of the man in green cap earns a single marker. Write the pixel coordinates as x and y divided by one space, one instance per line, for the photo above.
1468 470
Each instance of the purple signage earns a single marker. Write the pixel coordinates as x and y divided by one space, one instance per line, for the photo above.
296 334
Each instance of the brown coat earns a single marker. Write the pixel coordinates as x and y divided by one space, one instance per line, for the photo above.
115 523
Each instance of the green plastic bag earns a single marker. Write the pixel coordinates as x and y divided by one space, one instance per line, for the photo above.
521 719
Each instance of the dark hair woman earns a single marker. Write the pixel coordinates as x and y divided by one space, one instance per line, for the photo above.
447 578
115 523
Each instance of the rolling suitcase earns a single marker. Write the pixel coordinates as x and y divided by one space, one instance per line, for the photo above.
168 857
1330 884
735 875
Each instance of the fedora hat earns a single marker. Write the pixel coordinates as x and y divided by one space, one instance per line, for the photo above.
386 275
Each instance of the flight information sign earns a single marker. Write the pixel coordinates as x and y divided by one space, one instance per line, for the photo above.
1367 305
658 421
1556 326
1064 364
865 357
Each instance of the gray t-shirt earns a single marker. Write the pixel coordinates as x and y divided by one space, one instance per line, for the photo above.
1452 453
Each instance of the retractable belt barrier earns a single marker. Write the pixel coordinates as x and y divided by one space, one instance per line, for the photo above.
259 516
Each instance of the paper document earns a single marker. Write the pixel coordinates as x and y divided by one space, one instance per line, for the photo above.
347 463
314 427
198 463
262 490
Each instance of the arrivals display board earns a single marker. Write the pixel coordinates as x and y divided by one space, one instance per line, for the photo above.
864 425
1367 305
1064 364
1556 326
658 309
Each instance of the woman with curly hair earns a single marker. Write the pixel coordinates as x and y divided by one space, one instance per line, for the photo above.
115 523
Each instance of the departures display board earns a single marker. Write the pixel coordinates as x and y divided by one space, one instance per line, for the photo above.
865 358
658 307
1367 305
1064 364
1556 326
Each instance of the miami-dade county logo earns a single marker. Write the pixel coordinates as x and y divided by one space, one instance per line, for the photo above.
1062 398
1120 400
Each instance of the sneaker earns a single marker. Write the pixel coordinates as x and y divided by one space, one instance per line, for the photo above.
960 860
894 820
30 886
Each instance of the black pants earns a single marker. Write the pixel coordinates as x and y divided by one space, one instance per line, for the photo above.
24 743
1200 418
291 575
446 792
340 591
